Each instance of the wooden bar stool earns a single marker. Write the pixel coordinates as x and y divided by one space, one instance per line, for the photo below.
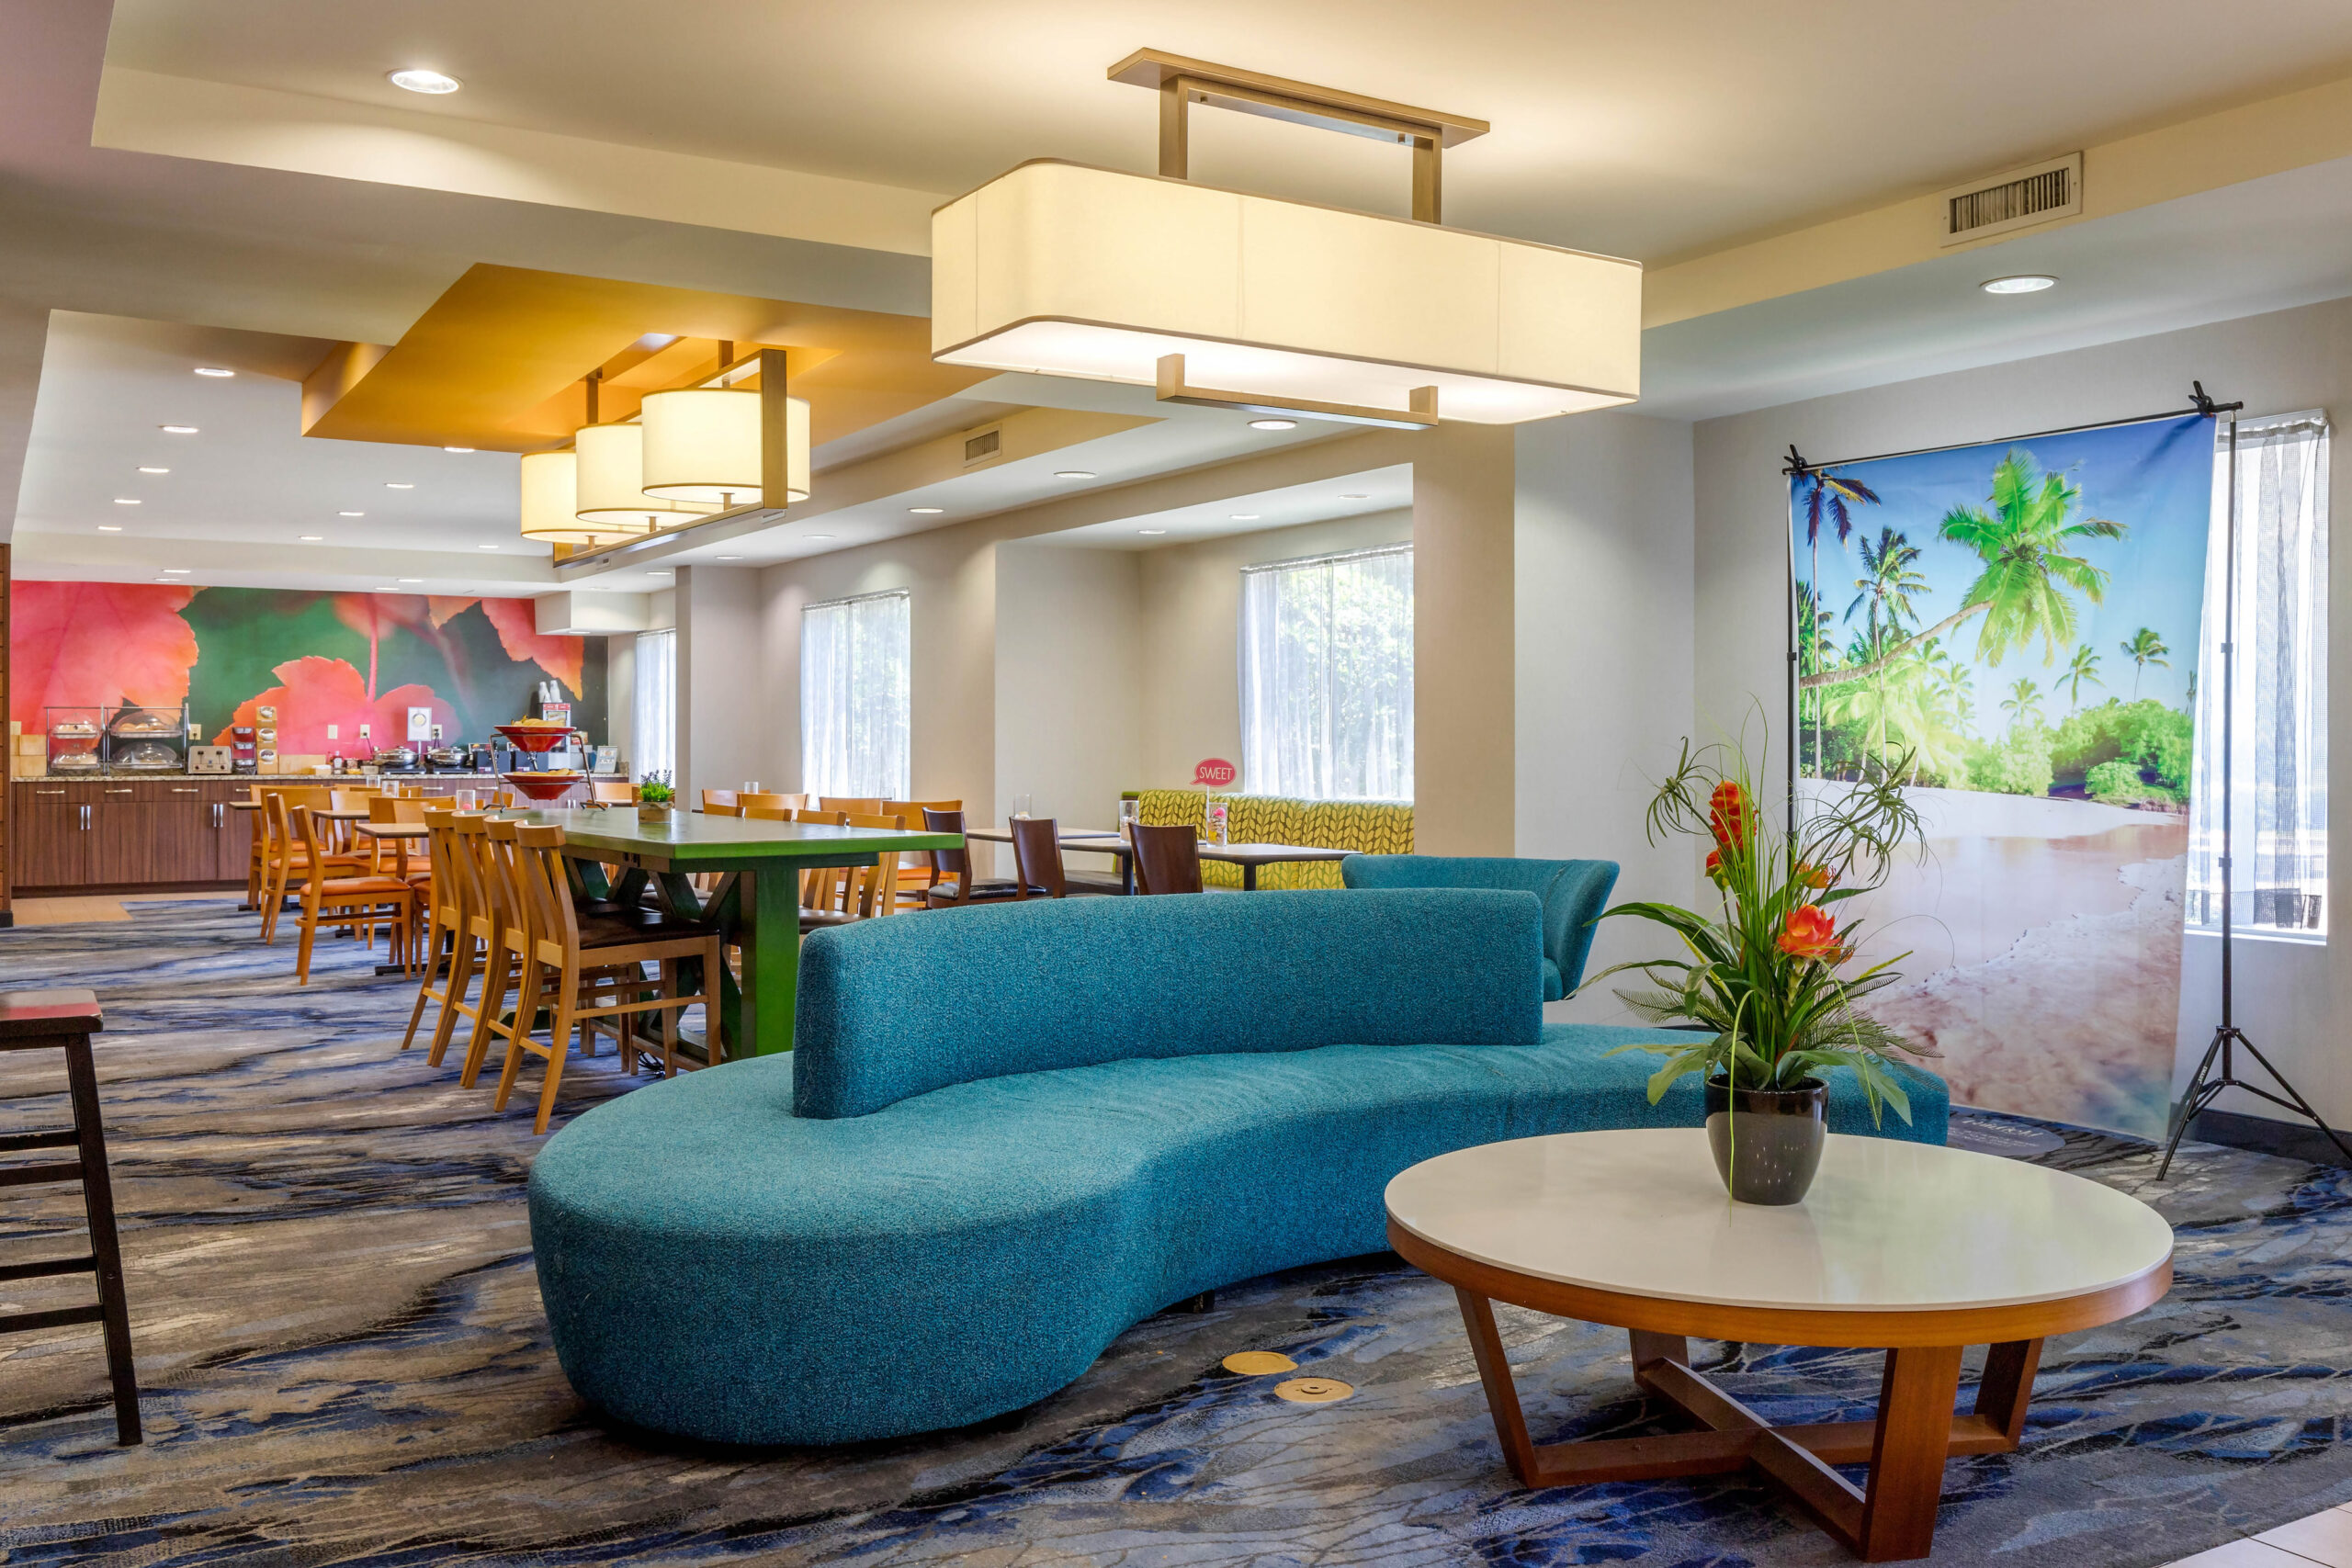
448 942
501 924
53 1021
361 901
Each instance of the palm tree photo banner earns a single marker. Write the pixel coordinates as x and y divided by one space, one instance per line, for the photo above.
2011 631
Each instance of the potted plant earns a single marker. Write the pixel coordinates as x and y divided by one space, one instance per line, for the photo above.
1763 981
654 798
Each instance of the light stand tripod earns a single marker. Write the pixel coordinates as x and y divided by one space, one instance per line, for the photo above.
2228 1038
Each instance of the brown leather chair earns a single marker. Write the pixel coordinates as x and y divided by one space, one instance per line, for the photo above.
1037 858
1168 859
953 887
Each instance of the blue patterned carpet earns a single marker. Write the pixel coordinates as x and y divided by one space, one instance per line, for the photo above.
345 1359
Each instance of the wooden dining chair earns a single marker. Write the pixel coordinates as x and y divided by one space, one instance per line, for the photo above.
614 792
447 959
770 800
955 886
917 876
571 963
1037 858
720 802
287 863
361 901
870 805
1168 859
822 889
859 892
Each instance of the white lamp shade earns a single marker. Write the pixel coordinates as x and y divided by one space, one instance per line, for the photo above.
1072 271
551 488
702 444
612 484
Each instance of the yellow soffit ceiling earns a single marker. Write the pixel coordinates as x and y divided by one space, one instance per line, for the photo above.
495 363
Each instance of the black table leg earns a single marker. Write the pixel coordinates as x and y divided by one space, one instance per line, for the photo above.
1248 877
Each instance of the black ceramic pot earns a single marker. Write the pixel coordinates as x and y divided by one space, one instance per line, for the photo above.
1767 1141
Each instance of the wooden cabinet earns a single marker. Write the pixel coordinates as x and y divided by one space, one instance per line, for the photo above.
50 848
121 835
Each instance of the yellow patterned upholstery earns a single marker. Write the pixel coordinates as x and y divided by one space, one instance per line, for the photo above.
1369 827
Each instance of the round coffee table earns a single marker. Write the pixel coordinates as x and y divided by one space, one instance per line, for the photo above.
1916 1249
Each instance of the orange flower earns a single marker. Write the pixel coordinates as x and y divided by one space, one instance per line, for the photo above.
1813 875
1729 814
1809 933
1715 863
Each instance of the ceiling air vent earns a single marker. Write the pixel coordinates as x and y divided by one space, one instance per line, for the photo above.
2017 199
983 446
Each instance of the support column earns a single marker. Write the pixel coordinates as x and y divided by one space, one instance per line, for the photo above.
723 721
1463 644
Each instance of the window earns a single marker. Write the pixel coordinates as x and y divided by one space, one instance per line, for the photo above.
1327 676
653 722
853 698
2278 761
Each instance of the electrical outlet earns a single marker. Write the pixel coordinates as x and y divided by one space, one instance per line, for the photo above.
335 732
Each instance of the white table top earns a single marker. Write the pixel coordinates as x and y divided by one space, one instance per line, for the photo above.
1888 1226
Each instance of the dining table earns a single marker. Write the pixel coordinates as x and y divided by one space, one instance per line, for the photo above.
1249 857
756 901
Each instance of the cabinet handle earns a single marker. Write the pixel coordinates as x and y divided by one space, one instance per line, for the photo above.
118 792
48 792
220 813
185 789
86 819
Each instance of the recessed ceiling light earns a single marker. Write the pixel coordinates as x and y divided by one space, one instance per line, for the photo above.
1354 495
152 470
351 514
813 539
1274 424
731 557
1074 474
395 484
457 448
217 372
176 571
418 80
411 579
177 429
311 538
926 511
664 574
162 580
2024 282
126 500
1243 516
110 527
1151 533
485 547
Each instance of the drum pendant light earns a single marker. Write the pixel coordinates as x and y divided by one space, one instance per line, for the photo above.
612 486
704 445
550 487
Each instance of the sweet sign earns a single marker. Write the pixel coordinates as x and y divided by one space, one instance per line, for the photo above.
1216 772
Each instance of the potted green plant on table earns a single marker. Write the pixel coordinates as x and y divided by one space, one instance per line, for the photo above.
1763 981
654 797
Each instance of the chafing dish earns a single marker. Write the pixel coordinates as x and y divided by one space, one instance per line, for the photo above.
146 757
396 757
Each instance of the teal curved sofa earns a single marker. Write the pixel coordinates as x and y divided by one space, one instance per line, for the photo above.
1010 1132
1573 893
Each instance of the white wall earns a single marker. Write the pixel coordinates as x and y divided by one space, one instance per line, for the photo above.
1069 680
2287 995
1191 635
724 715
620 698
1603 589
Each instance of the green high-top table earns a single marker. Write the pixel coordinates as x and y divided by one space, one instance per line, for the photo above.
756 902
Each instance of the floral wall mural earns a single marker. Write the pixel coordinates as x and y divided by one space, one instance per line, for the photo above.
320 659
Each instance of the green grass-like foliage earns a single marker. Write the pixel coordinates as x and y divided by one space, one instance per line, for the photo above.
1764 974
655 790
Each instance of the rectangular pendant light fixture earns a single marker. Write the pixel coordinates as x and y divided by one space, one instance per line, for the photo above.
1256 304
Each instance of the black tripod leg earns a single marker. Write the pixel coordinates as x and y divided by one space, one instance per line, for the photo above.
2200 1092
2300 1102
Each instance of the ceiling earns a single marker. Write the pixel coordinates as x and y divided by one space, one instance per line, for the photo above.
1641 128
1681 134
1323 501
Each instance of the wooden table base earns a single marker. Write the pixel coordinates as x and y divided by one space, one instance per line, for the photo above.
1892 1519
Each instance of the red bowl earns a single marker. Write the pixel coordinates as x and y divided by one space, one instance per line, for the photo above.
545 786
535 737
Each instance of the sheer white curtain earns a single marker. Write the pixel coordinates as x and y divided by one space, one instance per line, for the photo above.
855 705
2279 803
1327 676
653 722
